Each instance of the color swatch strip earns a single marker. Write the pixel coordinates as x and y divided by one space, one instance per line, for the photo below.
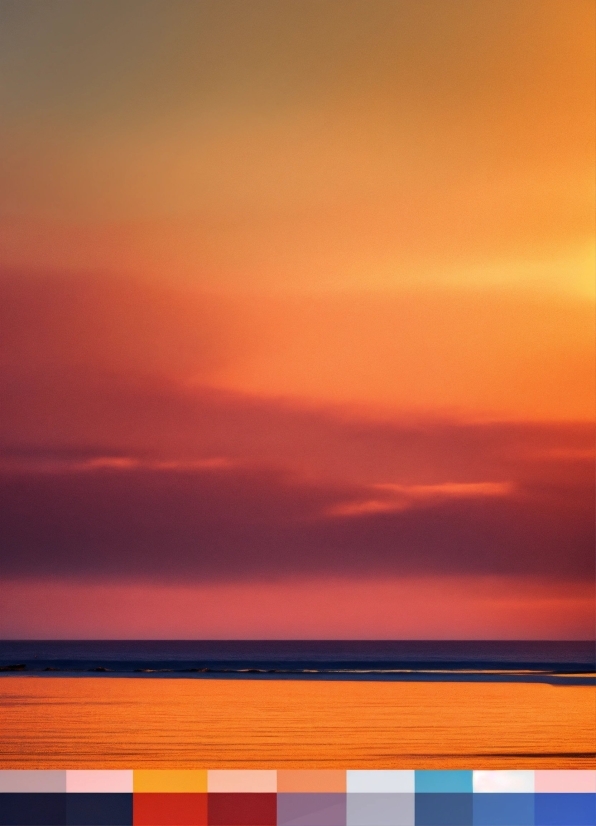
297 798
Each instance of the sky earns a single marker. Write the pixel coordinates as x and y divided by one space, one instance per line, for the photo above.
297 319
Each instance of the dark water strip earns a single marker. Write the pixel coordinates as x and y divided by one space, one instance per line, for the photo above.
144 670
554 662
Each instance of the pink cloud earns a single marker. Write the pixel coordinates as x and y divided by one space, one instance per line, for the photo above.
401 497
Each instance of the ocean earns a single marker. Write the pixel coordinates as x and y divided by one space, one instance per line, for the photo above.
297 704
556 662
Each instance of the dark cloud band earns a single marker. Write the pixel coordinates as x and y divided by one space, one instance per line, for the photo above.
229 523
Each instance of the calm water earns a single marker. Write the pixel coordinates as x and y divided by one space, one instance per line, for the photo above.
297 704
67 722
554 662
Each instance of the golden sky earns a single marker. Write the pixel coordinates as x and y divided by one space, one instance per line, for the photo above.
246 231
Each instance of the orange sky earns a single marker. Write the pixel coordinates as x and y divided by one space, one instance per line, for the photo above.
252 232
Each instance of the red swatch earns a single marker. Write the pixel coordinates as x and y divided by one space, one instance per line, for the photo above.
169 809
242 809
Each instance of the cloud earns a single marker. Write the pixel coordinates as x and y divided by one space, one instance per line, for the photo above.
115 464
238 522
457 351
78 413
402 497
